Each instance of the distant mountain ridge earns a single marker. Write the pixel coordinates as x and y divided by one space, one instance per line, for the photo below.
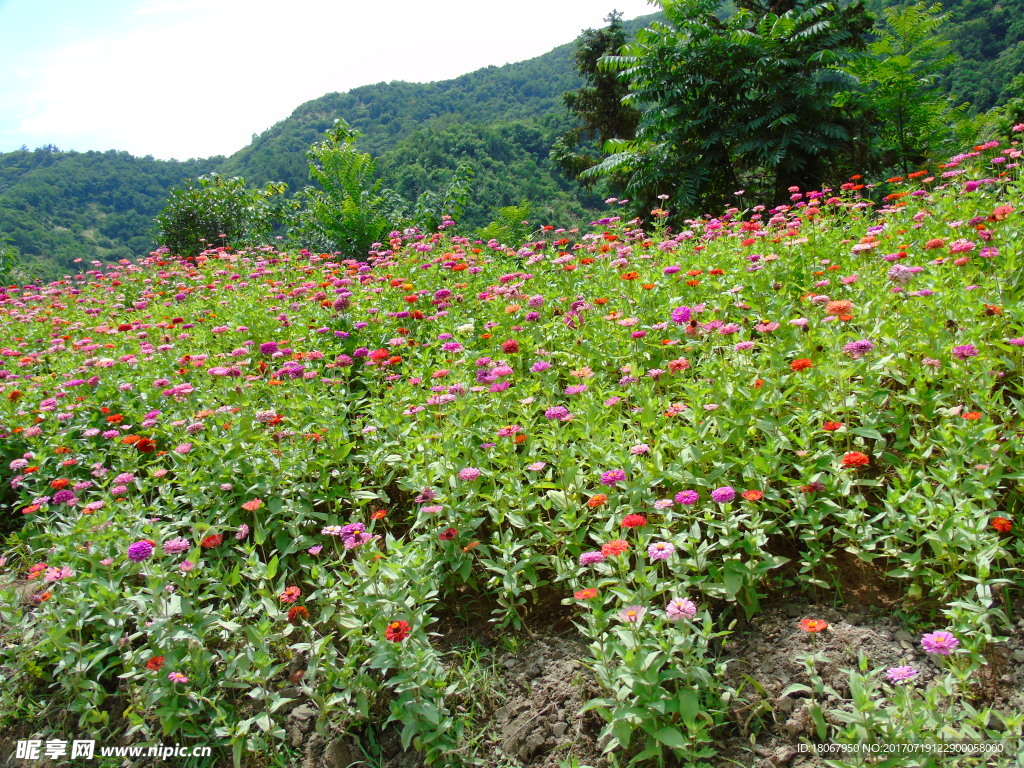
57 207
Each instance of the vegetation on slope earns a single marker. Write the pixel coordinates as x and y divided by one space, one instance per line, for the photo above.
258 476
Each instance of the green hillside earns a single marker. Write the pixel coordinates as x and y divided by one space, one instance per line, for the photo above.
56 207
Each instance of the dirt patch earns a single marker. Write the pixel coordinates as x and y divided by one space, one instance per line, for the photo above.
771 725
539 722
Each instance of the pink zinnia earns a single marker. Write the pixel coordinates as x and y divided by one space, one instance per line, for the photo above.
632 613
898 674
941 643
469 473
688 498
680 608
591 558
613 476
723 495
661 550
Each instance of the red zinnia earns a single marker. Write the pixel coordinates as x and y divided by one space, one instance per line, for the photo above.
855 459
801 364
752 495
509 347
155 662
634 521
447 534
586 594
297 614
378 514
397 631
832 426
972 415
212 541
1001 524
145 445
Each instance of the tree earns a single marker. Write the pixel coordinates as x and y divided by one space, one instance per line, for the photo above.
214 210
727 98
900 92
347 212
598 104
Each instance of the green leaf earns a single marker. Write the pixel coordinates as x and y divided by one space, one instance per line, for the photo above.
272 567
671 737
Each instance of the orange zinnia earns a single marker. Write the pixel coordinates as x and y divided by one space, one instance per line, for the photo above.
1001 524
597 501
614 548
855 459
801 364
586 594
753 495
813 625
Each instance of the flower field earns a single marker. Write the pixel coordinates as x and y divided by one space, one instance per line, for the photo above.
258 478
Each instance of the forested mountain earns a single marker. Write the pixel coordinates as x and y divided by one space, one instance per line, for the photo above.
988 38
57 206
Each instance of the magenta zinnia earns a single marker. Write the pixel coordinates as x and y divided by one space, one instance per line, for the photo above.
940 643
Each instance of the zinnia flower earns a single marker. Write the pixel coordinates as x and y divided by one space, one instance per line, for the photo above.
687 498
591 558
154 663
291 594
586 594
397 631
297 614
680 608
855 459
681 315
614 548
1001 524
140 551
634 521
660 550
723 495
632 613
965 351
801 364
613 476
469 473
813 625
212 541
177 677
941 643
898 674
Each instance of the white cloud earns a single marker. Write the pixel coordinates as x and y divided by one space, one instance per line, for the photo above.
182 78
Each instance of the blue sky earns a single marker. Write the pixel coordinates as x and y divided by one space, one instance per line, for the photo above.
195 78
